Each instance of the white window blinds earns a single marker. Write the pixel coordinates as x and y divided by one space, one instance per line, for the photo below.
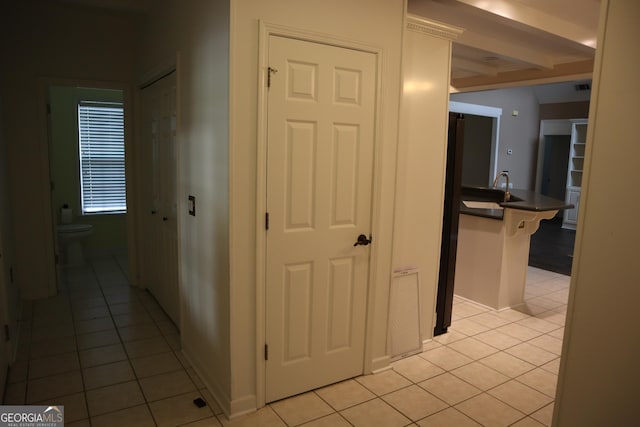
101 138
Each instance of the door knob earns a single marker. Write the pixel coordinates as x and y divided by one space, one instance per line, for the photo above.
362 240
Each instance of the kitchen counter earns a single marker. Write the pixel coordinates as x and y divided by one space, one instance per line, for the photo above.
520 199
493 243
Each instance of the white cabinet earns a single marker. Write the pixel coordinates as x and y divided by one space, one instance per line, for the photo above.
575 171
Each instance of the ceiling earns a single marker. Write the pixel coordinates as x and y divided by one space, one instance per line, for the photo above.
505 42
511 42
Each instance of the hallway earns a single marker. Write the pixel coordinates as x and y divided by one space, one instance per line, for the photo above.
110 355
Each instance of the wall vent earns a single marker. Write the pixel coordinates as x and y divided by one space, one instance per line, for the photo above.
582 86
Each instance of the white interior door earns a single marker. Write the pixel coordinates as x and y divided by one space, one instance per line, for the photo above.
321 113
160 192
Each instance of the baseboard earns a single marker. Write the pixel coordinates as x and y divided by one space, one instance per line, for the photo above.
479 304
222 399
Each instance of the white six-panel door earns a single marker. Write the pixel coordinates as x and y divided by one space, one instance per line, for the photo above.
321 114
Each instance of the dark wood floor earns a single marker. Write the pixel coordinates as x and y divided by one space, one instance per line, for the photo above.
552 247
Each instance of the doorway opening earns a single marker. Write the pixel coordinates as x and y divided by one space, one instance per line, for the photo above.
480 143
86 137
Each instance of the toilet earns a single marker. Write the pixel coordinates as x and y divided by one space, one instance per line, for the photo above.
71 238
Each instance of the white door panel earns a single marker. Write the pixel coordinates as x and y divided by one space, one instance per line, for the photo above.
319 179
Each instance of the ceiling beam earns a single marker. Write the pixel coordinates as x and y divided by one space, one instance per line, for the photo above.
473 66
536 20
562 72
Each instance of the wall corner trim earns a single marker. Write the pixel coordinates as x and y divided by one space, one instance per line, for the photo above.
433 28
380 364
242 406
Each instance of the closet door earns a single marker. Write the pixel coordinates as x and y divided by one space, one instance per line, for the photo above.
159 160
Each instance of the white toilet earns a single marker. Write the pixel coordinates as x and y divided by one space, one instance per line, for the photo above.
71 238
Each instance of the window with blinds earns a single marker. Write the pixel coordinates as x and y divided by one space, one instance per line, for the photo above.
101 139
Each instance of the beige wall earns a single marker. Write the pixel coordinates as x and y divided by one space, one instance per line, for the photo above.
564 110
197 32
43 41
599 371
421 163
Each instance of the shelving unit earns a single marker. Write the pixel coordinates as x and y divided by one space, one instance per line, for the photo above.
575 171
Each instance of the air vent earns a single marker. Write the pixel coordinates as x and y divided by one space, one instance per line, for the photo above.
582 86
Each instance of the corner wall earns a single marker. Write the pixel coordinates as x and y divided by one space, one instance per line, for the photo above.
599 370
422 153
194 35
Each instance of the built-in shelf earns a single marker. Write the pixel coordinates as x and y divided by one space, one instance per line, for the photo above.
575 170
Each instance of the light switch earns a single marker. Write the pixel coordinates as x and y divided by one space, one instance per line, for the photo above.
192 205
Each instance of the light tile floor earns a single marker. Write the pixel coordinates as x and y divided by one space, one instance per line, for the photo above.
112 357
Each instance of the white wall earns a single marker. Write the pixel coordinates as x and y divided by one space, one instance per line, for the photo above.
198 33
599 372
519 133
377 23
40 41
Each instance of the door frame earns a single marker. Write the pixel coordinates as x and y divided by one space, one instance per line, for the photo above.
45 167
266 31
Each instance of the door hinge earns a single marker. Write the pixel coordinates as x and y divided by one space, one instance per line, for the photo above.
10 274
266 352
53 185
57 259
6 333
269 72
435 317
48 108
266 220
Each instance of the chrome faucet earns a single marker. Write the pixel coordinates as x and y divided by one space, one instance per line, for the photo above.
507 194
